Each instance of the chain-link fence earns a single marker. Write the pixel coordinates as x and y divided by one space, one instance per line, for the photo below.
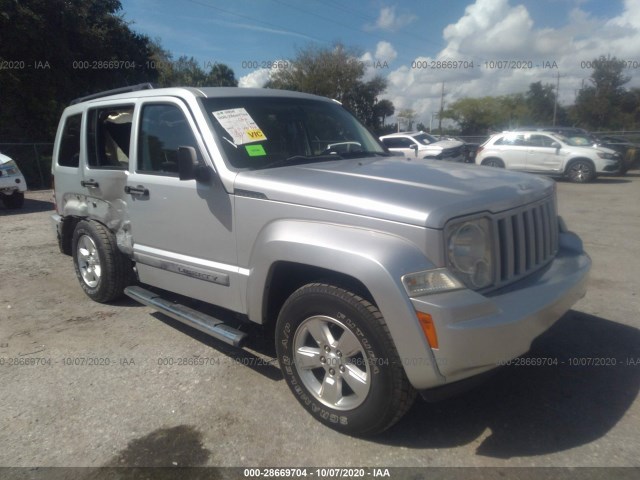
34 161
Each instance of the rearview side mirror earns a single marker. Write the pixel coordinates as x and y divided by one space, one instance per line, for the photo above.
189 168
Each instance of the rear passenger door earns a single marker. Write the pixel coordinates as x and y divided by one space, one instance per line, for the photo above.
183 232
511 149
104 172
542 155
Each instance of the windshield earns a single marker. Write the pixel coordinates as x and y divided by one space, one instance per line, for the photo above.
425 138
265 132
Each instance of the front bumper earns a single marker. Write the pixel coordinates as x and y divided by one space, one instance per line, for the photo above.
612 166
478 333
11 184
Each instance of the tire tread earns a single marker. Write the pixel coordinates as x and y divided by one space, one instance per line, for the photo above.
117 269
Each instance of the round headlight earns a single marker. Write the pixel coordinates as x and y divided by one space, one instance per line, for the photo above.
469 254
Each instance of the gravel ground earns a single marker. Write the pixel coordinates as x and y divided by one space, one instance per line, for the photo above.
85 384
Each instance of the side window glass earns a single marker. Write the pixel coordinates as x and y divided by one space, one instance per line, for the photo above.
108 137
541 141
398 142
163 128
69 154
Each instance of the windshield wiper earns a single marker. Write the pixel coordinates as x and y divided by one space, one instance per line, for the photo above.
362 153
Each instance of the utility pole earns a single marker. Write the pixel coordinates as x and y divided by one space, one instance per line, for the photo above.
441 111
555 105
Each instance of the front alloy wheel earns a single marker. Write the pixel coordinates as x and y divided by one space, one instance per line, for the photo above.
338 358
581 171
331 363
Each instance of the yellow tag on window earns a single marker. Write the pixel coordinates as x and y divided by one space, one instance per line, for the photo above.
255 134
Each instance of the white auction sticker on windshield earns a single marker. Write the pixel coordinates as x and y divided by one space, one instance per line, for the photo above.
239 124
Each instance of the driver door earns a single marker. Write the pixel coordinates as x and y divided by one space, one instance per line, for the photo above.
183 231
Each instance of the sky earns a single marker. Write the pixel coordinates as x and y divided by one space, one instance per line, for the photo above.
489 47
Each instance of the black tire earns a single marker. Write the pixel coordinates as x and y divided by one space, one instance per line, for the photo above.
493 162
93 245
371 387
13 201
580 171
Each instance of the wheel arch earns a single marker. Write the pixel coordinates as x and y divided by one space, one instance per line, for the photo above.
371 263
573 161
290 276
577 159
486 160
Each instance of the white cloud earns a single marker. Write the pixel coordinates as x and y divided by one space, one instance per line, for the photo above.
496 31
390 21
385 52
256 79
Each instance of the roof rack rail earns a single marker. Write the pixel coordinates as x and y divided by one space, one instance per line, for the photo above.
131 88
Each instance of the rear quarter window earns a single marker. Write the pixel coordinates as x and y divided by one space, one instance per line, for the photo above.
69 153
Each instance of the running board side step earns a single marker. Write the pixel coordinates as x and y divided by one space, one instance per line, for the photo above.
198 320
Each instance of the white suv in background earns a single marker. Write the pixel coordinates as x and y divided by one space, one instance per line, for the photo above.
423 145
549 154
12 184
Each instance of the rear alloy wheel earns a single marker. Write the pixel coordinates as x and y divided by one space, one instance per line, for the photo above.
339 361
493 162
581 171
102 270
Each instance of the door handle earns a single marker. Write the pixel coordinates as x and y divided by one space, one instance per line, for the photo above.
90 183
139 190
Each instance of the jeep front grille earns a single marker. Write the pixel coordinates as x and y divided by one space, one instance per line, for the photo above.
527 239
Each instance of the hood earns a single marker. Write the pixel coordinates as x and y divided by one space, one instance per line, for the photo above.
442 144
4 159
417 192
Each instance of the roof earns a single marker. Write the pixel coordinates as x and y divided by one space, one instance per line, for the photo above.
401 134
147 90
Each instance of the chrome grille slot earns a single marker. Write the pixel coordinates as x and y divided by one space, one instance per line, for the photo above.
527 239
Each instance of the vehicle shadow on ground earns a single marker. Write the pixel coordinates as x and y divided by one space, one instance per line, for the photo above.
258 355
611 181
536 410
30 206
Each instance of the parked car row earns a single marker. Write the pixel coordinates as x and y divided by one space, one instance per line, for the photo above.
566 152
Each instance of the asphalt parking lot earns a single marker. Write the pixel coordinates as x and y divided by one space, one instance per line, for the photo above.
85 384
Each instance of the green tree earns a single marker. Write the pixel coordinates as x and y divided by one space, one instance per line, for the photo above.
477 116
599 104
406 117
63 49
335 73
540 100
186 71
384 109
221 75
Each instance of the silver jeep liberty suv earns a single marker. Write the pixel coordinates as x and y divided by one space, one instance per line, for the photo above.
377 276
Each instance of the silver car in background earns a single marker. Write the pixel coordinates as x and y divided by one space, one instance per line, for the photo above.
425 146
